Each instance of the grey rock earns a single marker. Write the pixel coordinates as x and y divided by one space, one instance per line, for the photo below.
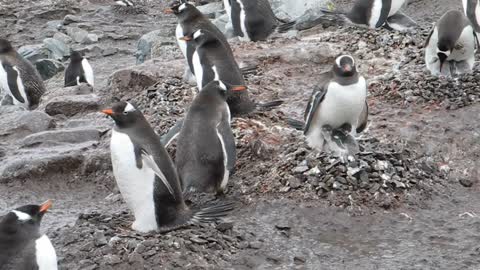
72 105
62 37
21 124
57 49
211 9
146 42
77 34
99 239
54 25
300 169
294 182
71 19
109 51
4 109
91 38
295 8
62 136
34 52
466 182
48 68
82 89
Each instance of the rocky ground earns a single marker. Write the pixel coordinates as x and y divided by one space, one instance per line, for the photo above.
408 201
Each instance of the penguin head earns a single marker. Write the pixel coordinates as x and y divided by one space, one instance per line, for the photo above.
183 10
344 66
124 114
444 49
5 46
75 56
26 218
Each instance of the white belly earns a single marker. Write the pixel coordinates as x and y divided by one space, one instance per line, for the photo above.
395 7
477 12
228 9
198 69
182 44
464 2
21 88
376 12
135 185
88 71
465 46
243 20
45 254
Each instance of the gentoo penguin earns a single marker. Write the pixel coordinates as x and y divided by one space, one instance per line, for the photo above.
22 246
147 177
19 78
190 19
78 71
252 20
206 153
125 3
472 11
450 47
339 100
213 60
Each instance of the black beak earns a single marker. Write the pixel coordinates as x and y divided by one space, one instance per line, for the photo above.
442 57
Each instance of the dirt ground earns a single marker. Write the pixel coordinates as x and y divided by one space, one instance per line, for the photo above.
295 209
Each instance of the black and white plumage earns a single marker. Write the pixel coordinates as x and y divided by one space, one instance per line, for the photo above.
339 99
213 60
78 71
374 13
190 19
22 246
451 45
146 176
206 151
252 20
472 11
124 3
18 78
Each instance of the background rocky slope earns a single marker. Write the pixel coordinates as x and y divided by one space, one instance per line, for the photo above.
408 202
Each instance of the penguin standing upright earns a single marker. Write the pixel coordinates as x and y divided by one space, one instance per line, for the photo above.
450 47
190 19
78 71
213 60
22 246
472 11
146 176
252 20
374 13
19 78
206 153
339 100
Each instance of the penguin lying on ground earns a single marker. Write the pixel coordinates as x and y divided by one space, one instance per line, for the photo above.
472 11
252 20
371 13
78 71
337 104
450 47
147 177
22 246
18 78
206 151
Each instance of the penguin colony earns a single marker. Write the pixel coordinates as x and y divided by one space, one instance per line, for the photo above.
151 183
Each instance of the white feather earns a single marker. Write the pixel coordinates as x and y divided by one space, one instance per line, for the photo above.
181 43
129 108
243 20
21 215
375 14
197 66
226 172
465 4
477 12
135 185
395 7
182 7
228 9
45 254
88 71
341 104
120 3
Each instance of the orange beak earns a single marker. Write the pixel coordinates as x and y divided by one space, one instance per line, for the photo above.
108 112
185 38
239 88
168 11
45 206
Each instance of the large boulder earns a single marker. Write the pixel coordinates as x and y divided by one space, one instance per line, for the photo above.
62 136
57 49
72 105
23 123
161 38
293 9
48 68
34 52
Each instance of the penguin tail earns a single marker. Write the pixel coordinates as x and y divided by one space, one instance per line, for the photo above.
285 27
212 213
249 69
269 105
296 124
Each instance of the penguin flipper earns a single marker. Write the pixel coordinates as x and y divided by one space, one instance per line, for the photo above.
225 135
317 97
149 161
363 119
265 106
400 22
172 133
427 42
296 124
12 80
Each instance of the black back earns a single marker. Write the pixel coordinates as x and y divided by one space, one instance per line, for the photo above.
168 209
74 70
361 12
259 19
450 27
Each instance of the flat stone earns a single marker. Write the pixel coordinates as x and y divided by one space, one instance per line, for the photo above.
34 52
62 37
62 136
57 49
23 123
72 105
48 68
71 19
77 34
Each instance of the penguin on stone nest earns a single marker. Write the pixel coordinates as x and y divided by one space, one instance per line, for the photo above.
22 246
78 71
18 78
206 151
450 47
147 177
371 13
253 20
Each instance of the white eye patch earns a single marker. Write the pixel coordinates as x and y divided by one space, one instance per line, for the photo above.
182 7
447 53
129 108
339 59
197 34
21 215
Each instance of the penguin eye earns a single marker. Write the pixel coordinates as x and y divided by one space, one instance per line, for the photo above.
125 112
